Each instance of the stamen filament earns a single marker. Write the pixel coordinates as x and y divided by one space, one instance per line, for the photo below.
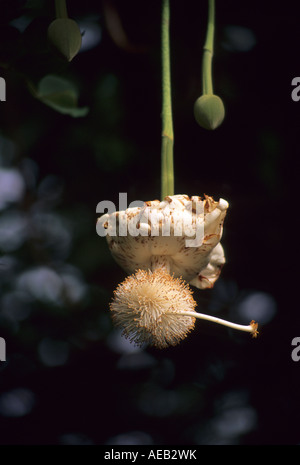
251 328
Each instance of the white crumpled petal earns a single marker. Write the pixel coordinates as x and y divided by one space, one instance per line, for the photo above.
208 276
142 245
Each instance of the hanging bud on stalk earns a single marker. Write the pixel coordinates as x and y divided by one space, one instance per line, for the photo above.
64 37
209 111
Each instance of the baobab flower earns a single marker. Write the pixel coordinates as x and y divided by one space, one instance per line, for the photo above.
165 247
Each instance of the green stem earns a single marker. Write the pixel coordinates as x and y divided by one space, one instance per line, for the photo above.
167 164
61 9
208 50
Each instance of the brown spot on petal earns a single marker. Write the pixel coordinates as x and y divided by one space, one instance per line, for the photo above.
209 204
209 236
204 278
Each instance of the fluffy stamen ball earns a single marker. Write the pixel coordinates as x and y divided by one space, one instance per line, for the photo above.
148 307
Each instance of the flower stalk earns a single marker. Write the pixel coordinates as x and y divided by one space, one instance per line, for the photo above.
61 9
208 50
167 163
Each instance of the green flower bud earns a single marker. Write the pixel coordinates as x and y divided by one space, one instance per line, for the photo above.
209 111
65 37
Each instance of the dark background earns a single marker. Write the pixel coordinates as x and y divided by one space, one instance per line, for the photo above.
70 378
